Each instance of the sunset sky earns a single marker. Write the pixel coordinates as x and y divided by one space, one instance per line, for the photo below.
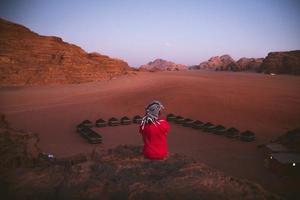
186 32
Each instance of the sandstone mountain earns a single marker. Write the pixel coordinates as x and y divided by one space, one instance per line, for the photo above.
162 65
287 62
249 64
27 58
224 62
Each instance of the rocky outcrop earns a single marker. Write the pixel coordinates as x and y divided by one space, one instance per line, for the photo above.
18 148
29 58
249 64
282 63
224 62
163 65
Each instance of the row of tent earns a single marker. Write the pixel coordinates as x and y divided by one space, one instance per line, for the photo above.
85 128
232 132
86 131
113 121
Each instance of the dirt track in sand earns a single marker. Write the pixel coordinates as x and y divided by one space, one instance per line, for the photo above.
267 105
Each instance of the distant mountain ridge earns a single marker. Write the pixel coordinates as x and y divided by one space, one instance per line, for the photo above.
163 65
27 58
287 62
226 63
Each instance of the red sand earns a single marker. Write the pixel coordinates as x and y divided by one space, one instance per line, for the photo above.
267 105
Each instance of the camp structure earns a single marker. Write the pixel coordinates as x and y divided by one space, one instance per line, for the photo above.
137 119
197 124
247 136
282 155
79 128
232 133
90 135
219 130
284 163
113 122
207 126
87 123
101 123
179 120
125 121
291 139
171 117
187 122
270 148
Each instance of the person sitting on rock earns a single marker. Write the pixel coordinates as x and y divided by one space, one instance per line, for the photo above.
154 130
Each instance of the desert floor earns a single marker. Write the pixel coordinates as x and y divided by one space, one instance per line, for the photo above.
267 105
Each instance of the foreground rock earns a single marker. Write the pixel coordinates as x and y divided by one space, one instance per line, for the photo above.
282 63
119 173
162 65
27 58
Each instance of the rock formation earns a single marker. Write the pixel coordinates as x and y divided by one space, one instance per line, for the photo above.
276 62
224 62
29 58
249 64
163 65
282 63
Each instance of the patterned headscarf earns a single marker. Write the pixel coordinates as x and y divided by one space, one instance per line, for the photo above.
152 112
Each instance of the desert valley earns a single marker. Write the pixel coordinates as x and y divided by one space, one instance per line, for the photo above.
49 86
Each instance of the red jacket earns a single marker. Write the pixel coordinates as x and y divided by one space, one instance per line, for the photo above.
155 140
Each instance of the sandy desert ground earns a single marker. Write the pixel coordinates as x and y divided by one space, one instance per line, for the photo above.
267 105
